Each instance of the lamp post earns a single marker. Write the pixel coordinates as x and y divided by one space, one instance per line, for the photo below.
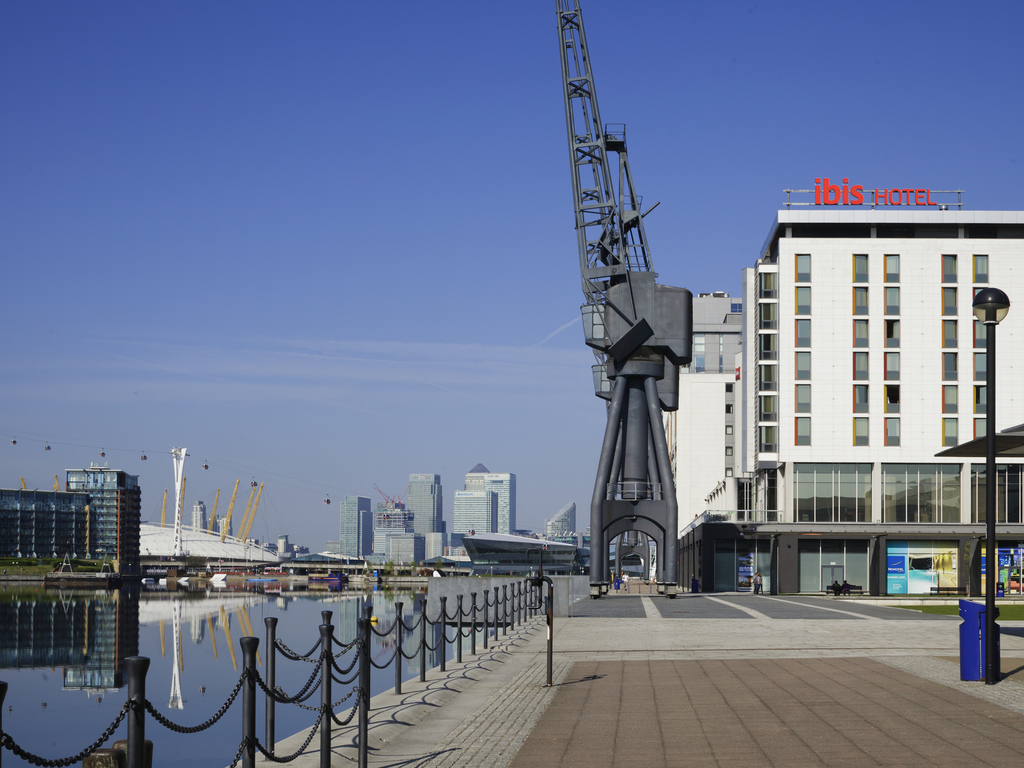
990 307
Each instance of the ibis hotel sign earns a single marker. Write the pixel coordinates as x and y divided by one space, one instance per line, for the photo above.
841 192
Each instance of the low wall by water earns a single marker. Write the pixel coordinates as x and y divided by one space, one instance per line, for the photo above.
567 590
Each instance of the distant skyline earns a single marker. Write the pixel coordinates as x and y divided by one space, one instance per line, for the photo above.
327 245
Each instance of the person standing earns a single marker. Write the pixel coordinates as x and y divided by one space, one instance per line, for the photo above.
757 583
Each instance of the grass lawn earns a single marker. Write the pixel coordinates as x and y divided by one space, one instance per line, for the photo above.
1006 612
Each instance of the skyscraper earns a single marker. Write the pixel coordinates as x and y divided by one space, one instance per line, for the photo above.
198 516
475 511
356 527
503 484
425 499
563 523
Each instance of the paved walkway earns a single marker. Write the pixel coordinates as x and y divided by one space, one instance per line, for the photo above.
708 680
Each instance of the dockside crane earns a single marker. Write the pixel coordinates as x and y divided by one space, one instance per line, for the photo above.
640 331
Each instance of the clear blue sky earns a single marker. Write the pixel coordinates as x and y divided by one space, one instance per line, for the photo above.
324 245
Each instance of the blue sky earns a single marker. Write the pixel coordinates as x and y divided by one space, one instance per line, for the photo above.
324 245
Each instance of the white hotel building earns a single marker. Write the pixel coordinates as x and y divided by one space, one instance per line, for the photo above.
861 360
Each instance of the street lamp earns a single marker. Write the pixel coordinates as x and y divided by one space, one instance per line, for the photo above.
990 307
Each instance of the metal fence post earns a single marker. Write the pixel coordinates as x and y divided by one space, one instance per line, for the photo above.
326 616
423 640
326 657
399 631
137 667
487 623
458 641
249 646
364 687
268 736
443 642
504 609
3 695
472 641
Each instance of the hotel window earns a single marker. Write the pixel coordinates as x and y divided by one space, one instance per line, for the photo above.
769 439
860 365
921 493
770 407
949 334
980 398
803 431
769 316
892 398
860 398
949 398
803 267
892 333
980 335
949 269
892 432
803 300
728 429
979 428
860 301
981 269
860 267
949 301
860 333
769 343
949 432
769 285
860 431
803 398
892 268
803 366
728 407
832 493
803 333
892 301
728 450
728 471
698 352
979 366
949 372
892 366
769 377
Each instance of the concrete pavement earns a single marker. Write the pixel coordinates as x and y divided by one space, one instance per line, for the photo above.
711 679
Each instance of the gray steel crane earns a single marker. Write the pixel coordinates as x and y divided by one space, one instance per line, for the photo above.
640 331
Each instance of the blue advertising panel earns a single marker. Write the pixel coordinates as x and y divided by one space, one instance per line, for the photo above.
914 567
896 573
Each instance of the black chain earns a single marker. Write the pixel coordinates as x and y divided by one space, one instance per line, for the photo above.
414 654
344 646
238 755
275 759
387 663
384 632
352 713
281 697
7 742
203 726
293 656
350 667
342 681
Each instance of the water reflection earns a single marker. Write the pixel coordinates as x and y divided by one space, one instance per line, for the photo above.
192 638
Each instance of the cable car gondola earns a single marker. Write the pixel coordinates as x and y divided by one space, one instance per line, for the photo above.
144 457
47 447
14 441
103 454
253 483
205 465
327 499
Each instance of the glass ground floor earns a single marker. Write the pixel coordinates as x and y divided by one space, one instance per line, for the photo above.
881 560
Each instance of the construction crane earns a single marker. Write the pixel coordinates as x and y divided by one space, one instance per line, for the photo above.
231 508
392 502
640 331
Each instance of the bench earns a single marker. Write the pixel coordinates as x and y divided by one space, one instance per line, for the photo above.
949 591
851 589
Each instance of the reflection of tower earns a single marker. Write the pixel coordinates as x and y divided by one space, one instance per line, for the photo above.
176 702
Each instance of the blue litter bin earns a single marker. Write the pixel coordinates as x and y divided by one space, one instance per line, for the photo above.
1000 589
972 641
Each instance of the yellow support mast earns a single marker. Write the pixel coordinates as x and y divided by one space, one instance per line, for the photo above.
56 484
163 511
252 516
213 515
231 508
245 518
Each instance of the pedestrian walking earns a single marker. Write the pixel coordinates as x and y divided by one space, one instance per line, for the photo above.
694 583
757 583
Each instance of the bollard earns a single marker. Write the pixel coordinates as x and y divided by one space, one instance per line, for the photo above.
495 615
423 639
326 616
364 688
249 646
443 642
458 641
121 745
487 623
137 667
268 734
105 758
473 640
3 695
399 631
504 609
326 630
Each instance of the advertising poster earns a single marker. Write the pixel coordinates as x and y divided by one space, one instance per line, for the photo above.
914 567
1009 569
745 563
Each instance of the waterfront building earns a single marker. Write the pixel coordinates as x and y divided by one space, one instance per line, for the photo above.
405 548
861 362
356 538
563 523
502 554
115 504
43 524
474 511
199 516
434 545
503 484
425 498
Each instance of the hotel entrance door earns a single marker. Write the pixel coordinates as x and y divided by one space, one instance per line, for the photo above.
830 574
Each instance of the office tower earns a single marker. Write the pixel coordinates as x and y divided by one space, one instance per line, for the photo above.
503 484
475 511
115 504
425 499
199 516
563 523
356 538
389 518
